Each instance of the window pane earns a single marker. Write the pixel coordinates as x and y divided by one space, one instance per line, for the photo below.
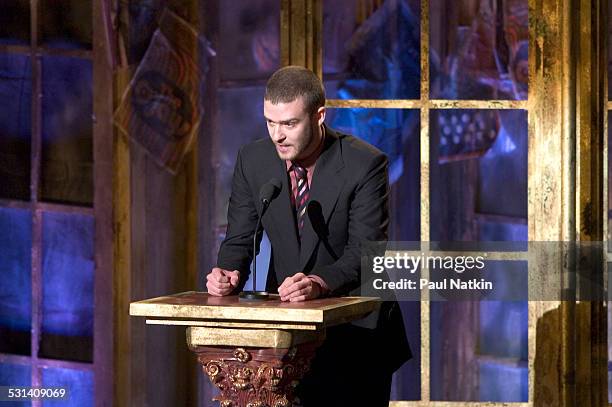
504 329
78 382
15 126
249 40
496 230
479 49
484 344
15 22
371 50
16 277
395 132
67 155
68 287
15 375
503 382
66 23
478 175
478 190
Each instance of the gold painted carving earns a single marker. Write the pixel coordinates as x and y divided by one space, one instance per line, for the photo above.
242 355
255 377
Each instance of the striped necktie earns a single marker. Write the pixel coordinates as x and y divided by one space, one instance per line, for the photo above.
303 194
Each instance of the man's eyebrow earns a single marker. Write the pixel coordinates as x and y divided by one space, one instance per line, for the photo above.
295 119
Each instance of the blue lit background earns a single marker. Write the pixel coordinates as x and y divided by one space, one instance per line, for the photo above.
78 382
15 274
15 375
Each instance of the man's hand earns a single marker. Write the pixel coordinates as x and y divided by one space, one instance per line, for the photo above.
221 282
299 288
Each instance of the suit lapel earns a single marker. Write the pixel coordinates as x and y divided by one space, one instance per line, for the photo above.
326 185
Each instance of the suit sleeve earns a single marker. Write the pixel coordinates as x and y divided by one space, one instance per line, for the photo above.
368 221
236 251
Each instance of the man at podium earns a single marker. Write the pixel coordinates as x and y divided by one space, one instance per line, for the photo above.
330 196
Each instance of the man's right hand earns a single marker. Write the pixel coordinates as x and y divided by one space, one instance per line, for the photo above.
221 282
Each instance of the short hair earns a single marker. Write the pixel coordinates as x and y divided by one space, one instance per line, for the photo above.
291 82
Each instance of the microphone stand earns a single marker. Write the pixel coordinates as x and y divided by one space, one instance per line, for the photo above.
256 295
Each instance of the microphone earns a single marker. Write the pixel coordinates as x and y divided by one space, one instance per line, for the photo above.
267 193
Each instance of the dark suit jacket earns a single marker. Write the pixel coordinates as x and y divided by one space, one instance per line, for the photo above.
348 206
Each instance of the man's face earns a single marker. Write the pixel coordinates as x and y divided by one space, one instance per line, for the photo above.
292 129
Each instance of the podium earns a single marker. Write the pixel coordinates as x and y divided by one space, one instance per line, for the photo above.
255 353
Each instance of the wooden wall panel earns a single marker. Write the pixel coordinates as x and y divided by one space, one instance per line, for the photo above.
156 253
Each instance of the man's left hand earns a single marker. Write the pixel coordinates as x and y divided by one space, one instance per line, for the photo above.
299 288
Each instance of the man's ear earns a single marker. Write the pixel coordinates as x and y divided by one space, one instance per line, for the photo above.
321 115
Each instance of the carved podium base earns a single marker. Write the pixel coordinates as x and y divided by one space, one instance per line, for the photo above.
255 377
255 353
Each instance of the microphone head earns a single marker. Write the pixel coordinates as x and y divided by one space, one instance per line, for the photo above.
269 191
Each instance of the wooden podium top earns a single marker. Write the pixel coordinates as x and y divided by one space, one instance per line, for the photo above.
200 309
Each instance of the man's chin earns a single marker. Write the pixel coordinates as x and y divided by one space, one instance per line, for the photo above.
285 156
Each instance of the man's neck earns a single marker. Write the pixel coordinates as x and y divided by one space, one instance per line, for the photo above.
314 155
